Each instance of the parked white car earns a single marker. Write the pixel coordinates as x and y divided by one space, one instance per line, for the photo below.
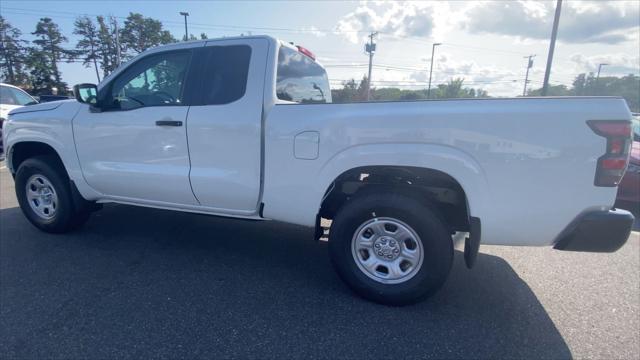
244 127
11 97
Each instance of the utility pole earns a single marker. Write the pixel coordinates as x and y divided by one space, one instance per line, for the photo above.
433 50
526 77
552 45
186 32
370 48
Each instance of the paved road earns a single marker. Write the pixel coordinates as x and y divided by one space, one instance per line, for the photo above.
142 283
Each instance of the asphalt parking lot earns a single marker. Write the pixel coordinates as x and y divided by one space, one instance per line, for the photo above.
144 283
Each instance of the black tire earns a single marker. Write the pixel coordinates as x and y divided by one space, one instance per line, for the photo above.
422 219
69 214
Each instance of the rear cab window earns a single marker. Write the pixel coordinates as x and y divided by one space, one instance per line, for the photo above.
224 79
300 79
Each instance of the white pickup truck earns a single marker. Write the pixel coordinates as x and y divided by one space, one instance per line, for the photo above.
244 127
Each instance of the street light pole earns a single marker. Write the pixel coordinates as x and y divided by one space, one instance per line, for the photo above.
598 77
186 32
526 77
552 45
600 68
433 50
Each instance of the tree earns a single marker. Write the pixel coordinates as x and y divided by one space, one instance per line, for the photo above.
553 90
351 91
40 72
87 46
12 55
357 92
455 89
140 33
48 48
627 87
203 36
107 46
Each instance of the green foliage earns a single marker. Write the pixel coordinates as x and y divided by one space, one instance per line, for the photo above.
357 92
12 55
88 45
141 33
553 90
108 48
203 36
48 49
40 72
627 87
351 91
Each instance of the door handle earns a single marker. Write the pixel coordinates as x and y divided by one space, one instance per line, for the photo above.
168 123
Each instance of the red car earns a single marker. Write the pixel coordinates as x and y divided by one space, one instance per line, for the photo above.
629 188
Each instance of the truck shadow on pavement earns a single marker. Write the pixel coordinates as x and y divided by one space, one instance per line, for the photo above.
150 283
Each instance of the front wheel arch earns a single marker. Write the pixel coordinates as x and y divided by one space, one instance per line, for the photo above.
21 151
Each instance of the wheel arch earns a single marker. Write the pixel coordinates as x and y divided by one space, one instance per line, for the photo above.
25 149
433 166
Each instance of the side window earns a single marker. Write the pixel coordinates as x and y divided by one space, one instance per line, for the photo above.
6 96
156 80
225 77
22 97
300 79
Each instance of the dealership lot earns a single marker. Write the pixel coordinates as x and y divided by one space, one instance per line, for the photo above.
140 282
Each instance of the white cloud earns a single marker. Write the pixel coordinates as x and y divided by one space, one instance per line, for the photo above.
620 64
400 19
580 21
314 31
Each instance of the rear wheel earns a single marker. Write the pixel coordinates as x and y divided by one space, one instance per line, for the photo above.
390 248
44 193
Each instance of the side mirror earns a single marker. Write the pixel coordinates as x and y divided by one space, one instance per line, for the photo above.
86 94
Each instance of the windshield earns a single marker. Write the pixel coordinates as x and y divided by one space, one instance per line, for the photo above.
300 79
13 96
635 125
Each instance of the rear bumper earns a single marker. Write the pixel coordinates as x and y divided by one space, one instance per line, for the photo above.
597 231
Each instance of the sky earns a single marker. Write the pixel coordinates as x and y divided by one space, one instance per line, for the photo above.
484 42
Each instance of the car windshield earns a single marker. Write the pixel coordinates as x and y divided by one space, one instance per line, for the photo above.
635 124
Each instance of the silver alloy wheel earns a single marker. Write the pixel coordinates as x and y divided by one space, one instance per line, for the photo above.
387 250
42 196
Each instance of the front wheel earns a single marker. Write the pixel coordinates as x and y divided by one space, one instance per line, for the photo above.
44 194
390 248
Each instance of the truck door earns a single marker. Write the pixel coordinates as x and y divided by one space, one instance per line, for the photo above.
136 148
224 125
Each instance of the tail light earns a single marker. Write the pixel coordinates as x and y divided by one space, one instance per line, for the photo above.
612 165
307 52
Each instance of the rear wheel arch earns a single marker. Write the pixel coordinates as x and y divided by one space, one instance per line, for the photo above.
430 186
